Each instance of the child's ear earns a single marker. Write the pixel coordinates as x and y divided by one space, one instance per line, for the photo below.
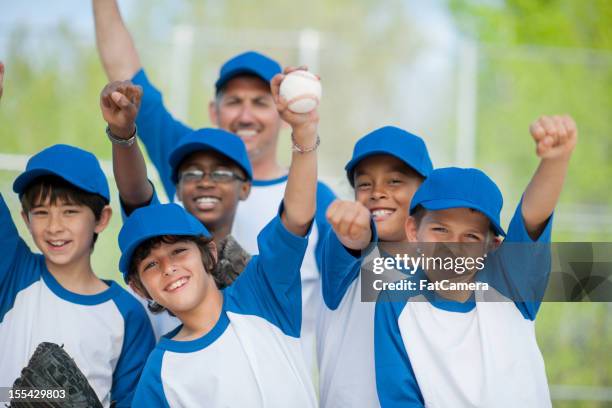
105 217
494 243
245 190
26 219
410 229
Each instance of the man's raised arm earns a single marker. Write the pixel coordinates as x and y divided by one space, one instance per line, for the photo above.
115 45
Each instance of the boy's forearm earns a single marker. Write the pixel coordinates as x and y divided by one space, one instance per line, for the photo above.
542 193
130 172
301 189
115 45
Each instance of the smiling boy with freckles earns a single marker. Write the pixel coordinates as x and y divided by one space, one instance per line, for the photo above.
210 168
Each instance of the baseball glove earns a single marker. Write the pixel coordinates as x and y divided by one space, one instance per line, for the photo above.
52 368
232 261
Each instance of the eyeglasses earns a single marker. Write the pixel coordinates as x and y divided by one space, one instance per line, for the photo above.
216 176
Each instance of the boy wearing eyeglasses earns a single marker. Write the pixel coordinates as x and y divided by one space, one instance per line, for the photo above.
210 167
211 171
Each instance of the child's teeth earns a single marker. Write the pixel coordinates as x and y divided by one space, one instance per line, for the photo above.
178 283
378 213
208 199
246 133
207 203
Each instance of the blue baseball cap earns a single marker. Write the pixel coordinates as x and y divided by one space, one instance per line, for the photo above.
221 141
395 142
453 187
77 166
154 221
250 62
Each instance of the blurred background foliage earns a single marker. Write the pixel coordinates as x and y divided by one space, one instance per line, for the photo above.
382 62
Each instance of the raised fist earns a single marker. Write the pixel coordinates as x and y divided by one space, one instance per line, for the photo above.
120 102
555 136
300 122
350 221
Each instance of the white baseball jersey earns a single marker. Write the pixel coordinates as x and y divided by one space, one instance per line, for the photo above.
433 352
107 334
252 357
252 216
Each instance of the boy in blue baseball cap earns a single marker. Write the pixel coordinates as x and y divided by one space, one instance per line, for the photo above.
56 296
209 167
444 343
238 346
386 168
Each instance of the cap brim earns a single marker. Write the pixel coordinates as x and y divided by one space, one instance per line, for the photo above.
154 221
350 166
26 178
239 71
179 155
447 203
126 255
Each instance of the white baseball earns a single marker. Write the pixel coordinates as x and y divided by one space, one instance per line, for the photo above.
301 90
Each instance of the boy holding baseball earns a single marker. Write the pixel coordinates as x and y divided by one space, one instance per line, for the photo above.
239 346
436 347
242 104
56 296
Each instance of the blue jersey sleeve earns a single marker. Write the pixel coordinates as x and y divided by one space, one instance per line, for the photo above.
19 267
150 390
125 213
325 196
138 341
396 383
520 268
158 130
340 267
270 285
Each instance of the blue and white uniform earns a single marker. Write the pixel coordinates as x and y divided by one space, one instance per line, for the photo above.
163 322
160 133
107 334
345 344
263 201
440 353
252 356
